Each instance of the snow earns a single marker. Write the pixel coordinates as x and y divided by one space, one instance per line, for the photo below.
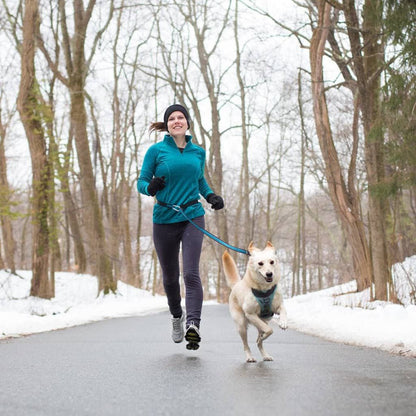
338 314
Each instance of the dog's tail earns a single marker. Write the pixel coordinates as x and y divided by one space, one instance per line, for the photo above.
230 269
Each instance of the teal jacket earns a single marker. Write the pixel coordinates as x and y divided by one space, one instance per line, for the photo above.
184 175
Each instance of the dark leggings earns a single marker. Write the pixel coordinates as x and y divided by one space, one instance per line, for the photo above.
167 239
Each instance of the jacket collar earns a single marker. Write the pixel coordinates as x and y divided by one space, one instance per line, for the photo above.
171 141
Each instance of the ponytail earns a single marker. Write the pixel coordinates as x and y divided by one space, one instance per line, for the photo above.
157 126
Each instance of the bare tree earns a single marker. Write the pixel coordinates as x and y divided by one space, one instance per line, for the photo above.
301 233
343 194
77 65
361 75
73 230
28 105
5 197
243 208
367 47
125 98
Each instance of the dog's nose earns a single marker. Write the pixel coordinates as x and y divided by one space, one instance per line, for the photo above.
269 274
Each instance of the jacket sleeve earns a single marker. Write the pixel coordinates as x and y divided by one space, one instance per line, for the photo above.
148 170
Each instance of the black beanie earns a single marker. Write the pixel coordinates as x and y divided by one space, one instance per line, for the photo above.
171 109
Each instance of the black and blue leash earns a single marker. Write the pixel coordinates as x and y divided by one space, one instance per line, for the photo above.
178 208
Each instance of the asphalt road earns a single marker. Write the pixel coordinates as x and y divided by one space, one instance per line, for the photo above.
130 366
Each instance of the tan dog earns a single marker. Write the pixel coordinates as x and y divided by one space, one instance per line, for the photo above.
255 298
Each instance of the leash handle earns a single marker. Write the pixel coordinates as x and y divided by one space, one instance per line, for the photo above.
178 208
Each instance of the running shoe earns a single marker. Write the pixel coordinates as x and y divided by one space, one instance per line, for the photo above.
192 336
177 329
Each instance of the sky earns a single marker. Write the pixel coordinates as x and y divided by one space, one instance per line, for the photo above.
337 314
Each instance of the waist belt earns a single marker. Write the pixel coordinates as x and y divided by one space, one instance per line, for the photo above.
188 204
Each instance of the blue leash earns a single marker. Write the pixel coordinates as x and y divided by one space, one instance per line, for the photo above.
178 208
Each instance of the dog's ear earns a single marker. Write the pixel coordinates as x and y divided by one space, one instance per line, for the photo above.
270 245
252 247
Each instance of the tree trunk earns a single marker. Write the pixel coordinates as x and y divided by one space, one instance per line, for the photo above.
5 205
92 215
345 201
77 69
244 186
70 210
374 146
368 61
28 106
302 219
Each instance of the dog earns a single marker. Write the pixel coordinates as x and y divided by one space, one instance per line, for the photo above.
255 298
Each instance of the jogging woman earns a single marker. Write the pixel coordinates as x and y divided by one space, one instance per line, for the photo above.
173 172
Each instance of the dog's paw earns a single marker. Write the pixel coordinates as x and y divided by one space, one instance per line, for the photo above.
283 323
251 360
267 358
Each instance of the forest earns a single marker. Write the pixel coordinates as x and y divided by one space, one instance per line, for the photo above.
306 110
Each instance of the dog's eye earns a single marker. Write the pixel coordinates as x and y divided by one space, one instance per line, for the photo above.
261 263
272 262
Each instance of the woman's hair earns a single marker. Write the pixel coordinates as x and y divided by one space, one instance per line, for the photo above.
157 126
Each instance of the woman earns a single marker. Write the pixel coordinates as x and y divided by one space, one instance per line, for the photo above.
173 172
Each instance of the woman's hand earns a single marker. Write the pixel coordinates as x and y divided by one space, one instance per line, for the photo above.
156 184
216 201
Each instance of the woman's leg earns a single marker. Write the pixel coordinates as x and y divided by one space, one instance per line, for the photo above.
166 238
191 253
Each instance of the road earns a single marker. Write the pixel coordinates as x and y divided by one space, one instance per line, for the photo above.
129 366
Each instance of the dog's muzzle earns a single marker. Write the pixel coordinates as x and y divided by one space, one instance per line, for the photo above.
269 277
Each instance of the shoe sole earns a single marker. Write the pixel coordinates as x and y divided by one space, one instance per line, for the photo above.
192 346
193 340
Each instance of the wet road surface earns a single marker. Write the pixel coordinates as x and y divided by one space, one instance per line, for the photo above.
130 366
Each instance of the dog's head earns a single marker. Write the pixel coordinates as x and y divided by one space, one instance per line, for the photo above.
264 264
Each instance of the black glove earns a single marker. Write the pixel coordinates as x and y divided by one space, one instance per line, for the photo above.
156 184
216 201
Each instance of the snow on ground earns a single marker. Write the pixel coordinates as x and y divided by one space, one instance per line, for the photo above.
382 325
338 314
75 303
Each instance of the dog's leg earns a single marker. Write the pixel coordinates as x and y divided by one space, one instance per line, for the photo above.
242 324
282 317
264 332
242 330
264 354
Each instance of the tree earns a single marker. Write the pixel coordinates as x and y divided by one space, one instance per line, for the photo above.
6 203
360 64
400 122
28 104
243 208
343 192
367 48
126 91
300 243
77 65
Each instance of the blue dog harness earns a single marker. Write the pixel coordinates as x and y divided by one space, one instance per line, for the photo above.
265 300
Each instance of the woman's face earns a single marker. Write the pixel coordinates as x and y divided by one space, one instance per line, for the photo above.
177 124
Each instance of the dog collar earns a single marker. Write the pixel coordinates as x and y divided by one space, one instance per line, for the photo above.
265 300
